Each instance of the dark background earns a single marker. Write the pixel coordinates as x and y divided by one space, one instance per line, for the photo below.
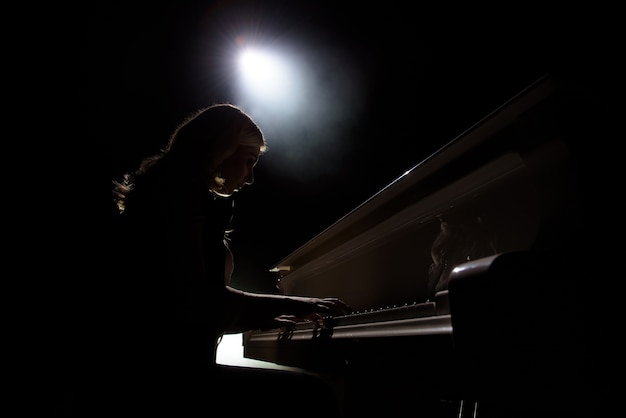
424 76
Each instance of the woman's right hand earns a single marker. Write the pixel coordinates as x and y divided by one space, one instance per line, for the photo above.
314 309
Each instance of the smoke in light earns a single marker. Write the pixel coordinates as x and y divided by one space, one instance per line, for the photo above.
306 100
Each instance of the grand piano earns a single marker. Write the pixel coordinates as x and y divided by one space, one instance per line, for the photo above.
461 273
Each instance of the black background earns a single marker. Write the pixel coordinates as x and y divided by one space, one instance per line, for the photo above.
428 72
427 75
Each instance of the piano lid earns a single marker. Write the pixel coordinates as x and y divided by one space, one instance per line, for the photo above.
502 185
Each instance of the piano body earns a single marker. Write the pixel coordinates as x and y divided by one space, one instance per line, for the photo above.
460 273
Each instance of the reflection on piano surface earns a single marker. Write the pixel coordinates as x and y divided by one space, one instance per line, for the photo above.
459 273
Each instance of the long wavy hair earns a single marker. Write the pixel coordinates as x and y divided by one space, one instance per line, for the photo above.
197 147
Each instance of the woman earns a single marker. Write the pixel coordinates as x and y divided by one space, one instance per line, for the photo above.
174 267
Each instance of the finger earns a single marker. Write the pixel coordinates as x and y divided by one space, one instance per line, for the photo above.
338 306
284 322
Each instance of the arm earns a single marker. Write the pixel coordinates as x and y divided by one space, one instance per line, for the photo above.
265 311
231 310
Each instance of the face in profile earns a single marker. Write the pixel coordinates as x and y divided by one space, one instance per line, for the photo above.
238 169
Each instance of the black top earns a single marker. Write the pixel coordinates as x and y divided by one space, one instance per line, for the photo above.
169 290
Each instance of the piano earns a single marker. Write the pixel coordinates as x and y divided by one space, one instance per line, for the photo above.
461 275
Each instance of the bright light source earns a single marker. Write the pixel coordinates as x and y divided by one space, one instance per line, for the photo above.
266 76
260 67
303 96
